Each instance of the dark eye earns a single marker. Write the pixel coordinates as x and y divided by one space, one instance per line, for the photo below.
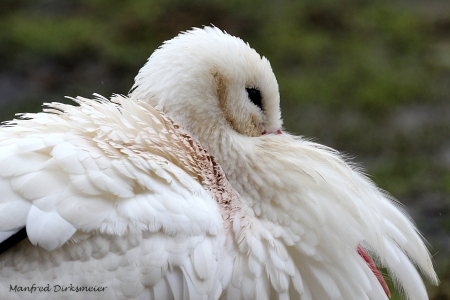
255 96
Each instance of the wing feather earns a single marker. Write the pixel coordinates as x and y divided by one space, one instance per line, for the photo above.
13 214
40 224
338 208
321 211
110 193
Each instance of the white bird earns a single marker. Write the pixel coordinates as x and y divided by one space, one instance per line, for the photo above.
187 189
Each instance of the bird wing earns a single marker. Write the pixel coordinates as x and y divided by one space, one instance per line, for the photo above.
323 216
109 176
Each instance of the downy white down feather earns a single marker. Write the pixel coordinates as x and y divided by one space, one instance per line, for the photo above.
186 189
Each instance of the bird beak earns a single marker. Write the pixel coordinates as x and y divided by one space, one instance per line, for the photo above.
276 132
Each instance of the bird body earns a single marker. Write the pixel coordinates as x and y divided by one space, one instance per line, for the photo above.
186 189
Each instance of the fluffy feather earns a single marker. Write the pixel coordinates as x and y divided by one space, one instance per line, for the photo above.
177 191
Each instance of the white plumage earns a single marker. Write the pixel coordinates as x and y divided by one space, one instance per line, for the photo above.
184 190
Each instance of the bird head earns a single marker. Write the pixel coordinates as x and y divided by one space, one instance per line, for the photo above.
213 85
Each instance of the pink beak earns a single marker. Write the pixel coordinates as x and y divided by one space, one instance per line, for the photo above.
276 132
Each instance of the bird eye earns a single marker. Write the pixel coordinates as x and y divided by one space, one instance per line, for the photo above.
255 96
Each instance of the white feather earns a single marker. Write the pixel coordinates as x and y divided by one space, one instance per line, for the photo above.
115 193
41 229
6 234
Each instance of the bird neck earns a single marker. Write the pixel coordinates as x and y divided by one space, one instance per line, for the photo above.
238 156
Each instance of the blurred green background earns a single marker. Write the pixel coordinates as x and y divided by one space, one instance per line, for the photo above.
369 78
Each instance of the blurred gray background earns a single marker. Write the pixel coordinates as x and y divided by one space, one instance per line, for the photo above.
370 78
